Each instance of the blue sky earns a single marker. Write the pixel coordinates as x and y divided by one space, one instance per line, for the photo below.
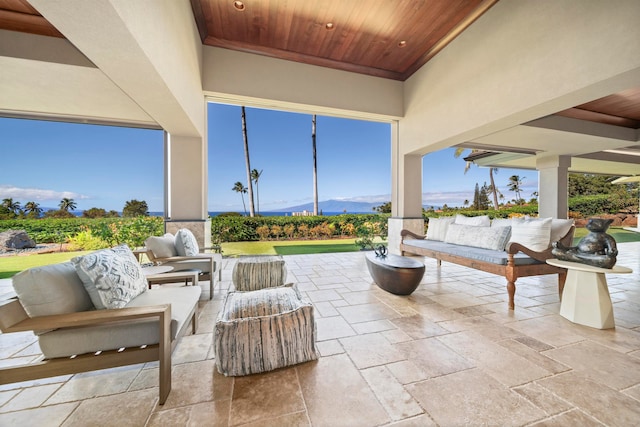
103 166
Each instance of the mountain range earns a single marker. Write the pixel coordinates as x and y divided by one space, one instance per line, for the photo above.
333 206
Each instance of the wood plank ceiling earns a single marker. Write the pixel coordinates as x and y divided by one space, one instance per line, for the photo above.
384 38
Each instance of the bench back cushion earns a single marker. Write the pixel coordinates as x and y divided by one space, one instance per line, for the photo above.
51 289
533 234
112 277
480 221
437 229
494 238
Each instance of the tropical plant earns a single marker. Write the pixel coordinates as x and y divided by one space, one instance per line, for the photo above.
252 211
94 213
11 206
255 176
240 188
67 204
492 186
134 208
384 208
315 165
515 185
33 209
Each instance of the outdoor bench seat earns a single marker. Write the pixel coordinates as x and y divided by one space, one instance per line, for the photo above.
514 262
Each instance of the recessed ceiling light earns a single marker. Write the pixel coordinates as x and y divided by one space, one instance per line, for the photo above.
238 5
402 43
329 26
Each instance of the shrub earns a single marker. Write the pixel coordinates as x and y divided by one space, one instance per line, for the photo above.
289 230
263 231
303 231
276 231
85 241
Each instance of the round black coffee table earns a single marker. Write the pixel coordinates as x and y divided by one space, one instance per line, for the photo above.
396 274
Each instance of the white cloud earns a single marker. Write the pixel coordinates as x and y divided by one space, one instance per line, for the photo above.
37 194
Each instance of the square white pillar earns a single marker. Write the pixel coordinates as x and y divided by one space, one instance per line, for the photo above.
553 186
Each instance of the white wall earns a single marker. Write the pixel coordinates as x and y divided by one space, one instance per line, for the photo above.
258 80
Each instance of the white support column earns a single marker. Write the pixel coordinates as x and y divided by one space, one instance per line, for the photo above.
553 187
186 186
406 193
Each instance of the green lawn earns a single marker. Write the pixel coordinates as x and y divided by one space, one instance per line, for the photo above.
14 264
11 265
621 235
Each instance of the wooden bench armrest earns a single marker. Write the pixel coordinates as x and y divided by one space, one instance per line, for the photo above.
90 318
407 233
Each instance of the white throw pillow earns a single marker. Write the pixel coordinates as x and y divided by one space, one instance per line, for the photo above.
494 238
559 228
112 277
437 229
534 234
162 247
479 221
186 243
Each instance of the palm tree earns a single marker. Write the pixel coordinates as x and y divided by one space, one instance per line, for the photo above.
33 208
67 204
315 165
467 166
252 211
240 188
255 176
11 206
515 185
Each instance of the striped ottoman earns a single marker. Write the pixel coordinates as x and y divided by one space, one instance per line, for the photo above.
251 273
262 330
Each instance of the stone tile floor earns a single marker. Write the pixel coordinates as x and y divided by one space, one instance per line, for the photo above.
450 354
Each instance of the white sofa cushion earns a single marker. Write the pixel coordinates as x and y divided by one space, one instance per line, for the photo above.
112 277
437 229
480 221
494 238
51 289
162 247
534 234
70 341
186 243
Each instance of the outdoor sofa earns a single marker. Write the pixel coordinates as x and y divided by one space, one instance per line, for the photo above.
511 248
95 312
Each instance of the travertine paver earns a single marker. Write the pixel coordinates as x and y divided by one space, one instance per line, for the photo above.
384 359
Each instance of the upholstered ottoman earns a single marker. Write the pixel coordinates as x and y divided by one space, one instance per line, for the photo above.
251 273
262 330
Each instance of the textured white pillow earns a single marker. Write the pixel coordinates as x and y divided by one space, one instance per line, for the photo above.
494 238
112 277
437 229
533 234
479 221
186 243
162 247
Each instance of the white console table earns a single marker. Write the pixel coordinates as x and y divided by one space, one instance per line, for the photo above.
585 298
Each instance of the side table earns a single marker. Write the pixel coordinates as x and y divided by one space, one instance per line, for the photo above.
591 304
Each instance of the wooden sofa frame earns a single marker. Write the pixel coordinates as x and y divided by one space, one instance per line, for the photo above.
510 271
13 318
